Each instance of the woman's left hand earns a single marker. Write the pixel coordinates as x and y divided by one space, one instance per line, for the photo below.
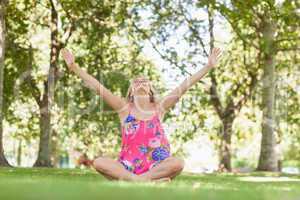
214 57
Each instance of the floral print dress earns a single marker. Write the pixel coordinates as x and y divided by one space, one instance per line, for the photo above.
144 144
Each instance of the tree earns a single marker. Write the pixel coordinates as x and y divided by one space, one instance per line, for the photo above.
268 159
3 161
273 30
45 101
21 47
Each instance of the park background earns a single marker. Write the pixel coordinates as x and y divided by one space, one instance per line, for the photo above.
242 116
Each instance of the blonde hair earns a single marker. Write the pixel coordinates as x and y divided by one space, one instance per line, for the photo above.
152 94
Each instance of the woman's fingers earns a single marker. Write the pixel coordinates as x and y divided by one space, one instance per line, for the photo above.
67 55
214 56
64 54
217 51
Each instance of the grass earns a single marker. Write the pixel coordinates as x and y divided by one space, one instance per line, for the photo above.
73 184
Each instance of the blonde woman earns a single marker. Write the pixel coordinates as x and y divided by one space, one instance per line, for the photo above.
145 154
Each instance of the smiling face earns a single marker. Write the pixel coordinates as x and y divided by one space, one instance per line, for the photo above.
140 86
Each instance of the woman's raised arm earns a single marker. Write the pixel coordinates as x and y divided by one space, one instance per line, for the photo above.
173 97
116 102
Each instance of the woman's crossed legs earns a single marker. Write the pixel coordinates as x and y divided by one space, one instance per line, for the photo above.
163 171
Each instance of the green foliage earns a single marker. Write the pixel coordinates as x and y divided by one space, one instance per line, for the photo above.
108 38
100 46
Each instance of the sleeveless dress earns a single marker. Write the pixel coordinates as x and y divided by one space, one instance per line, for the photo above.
144 143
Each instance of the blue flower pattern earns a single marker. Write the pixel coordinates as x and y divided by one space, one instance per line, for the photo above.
150 125
131 124
129 118
157 133
160 153
143 149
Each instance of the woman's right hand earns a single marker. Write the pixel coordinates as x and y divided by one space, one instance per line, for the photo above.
69 58
116 102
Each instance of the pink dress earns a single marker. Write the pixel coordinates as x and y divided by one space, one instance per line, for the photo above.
144 143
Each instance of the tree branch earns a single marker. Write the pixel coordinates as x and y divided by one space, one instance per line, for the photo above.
158 51
34 89
214 96
296 48
69 30
251 87
286 39
193 29
235 23
213 88
246 95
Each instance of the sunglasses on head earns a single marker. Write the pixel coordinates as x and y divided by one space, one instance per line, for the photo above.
140 81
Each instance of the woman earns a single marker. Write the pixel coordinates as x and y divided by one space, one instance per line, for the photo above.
145 153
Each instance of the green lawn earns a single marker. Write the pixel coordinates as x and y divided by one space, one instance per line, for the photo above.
53 184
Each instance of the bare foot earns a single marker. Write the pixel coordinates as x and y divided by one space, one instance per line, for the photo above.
83 160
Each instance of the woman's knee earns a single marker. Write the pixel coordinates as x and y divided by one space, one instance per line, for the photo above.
178 164
101 164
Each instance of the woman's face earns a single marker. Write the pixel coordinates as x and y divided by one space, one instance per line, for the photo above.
141 86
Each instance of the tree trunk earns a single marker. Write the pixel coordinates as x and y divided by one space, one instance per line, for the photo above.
45 135
268 160
44 157
19 154
225 149
3 161
54 149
